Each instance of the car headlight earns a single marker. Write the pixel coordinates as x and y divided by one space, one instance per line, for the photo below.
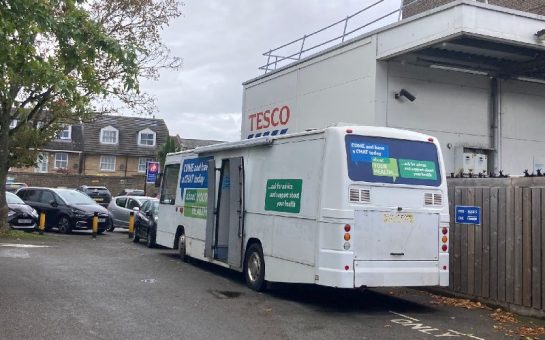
34 213
11 213
79 213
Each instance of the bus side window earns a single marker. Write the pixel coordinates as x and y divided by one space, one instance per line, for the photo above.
170 183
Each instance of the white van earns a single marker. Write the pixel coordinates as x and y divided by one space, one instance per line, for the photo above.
343 207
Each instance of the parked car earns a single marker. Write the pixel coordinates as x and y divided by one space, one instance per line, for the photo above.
99 194
20 215
146 222
120 208
131 192
65 209
14 186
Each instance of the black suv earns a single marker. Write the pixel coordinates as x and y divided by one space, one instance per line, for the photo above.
101 195
65 209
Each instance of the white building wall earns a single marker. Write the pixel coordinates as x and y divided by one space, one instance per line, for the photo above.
523 126
336 87
452 106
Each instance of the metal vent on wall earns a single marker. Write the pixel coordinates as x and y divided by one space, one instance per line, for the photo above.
359 195
433 199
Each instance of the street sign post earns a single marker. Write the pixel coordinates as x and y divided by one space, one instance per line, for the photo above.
152 171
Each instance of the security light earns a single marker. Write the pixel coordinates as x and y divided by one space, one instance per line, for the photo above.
406 94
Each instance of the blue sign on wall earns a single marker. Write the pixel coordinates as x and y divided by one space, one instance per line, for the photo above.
468 215
152 169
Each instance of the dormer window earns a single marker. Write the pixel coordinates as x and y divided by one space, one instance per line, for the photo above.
146 137
65 133
109 135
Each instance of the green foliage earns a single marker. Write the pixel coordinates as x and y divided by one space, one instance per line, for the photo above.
169 146
52 51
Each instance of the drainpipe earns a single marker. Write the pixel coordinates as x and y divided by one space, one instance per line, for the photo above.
496 128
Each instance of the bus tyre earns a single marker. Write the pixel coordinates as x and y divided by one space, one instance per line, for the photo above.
182 251
254 268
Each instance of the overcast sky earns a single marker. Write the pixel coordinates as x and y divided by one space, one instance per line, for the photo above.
221 42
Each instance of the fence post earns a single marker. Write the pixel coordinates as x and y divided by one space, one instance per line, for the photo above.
131 224
95 224
41 226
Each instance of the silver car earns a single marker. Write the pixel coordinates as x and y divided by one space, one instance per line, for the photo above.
120 208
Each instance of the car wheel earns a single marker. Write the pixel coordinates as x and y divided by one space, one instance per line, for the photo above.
136 235
254 268
151 239
182 250
64 225
111 227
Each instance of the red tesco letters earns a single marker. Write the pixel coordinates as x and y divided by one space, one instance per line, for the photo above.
270 118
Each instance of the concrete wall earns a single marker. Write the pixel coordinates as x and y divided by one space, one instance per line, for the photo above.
532 6
114 183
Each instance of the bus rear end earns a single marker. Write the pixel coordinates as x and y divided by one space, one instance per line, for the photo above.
394 184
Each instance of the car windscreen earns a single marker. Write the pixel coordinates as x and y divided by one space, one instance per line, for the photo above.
392 161
13 199
74 197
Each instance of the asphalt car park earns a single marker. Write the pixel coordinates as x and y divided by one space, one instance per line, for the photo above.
114 289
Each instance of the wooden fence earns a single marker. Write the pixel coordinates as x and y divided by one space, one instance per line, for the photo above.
501 261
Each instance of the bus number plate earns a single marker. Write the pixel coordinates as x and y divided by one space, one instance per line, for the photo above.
399 218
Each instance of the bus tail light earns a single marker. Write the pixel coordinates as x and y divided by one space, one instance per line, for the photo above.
347 237
347 228
444 231
444 247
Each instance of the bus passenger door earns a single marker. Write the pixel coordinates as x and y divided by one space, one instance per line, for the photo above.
211 210
236 212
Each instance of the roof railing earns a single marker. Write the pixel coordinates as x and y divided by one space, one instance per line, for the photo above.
284 55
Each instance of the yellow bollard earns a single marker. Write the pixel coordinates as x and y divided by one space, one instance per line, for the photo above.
131 224
41 226
95 225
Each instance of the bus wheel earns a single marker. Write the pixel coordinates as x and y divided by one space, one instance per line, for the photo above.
182 248
254 268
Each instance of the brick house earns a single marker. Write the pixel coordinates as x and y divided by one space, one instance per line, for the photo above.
108 146
415 7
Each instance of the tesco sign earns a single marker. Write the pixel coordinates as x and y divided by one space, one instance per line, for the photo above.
279 116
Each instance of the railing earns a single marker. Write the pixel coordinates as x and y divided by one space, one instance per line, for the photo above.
326 37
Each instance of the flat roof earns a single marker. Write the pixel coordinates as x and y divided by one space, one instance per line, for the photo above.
463 34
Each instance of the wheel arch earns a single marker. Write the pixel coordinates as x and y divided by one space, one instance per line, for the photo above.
179 231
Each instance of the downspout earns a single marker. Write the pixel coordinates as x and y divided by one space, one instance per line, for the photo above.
496 127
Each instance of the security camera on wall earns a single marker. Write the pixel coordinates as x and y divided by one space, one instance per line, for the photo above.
406 94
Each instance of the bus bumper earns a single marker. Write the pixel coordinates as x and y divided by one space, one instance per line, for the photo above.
396 273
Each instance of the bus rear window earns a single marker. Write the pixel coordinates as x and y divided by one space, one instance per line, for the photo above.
392 161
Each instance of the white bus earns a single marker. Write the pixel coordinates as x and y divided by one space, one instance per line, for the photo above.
343 207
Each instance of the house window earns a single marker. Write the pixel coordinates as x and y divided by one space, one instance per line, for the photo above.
146 138
61 160
107 163
41 163
108 135
65 133
142 163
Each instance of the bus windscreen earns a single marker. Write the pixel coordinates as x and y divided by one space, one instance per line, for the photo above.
392 161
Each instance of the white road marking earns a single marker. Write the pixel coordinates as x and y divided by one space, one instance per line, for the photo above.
17 245
415 324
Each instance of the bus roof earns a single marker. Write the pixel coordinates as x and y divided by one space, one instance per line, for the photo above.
340 128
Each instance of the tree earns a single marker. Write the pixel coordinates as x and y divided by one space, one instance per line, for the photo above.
167 147
66 61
